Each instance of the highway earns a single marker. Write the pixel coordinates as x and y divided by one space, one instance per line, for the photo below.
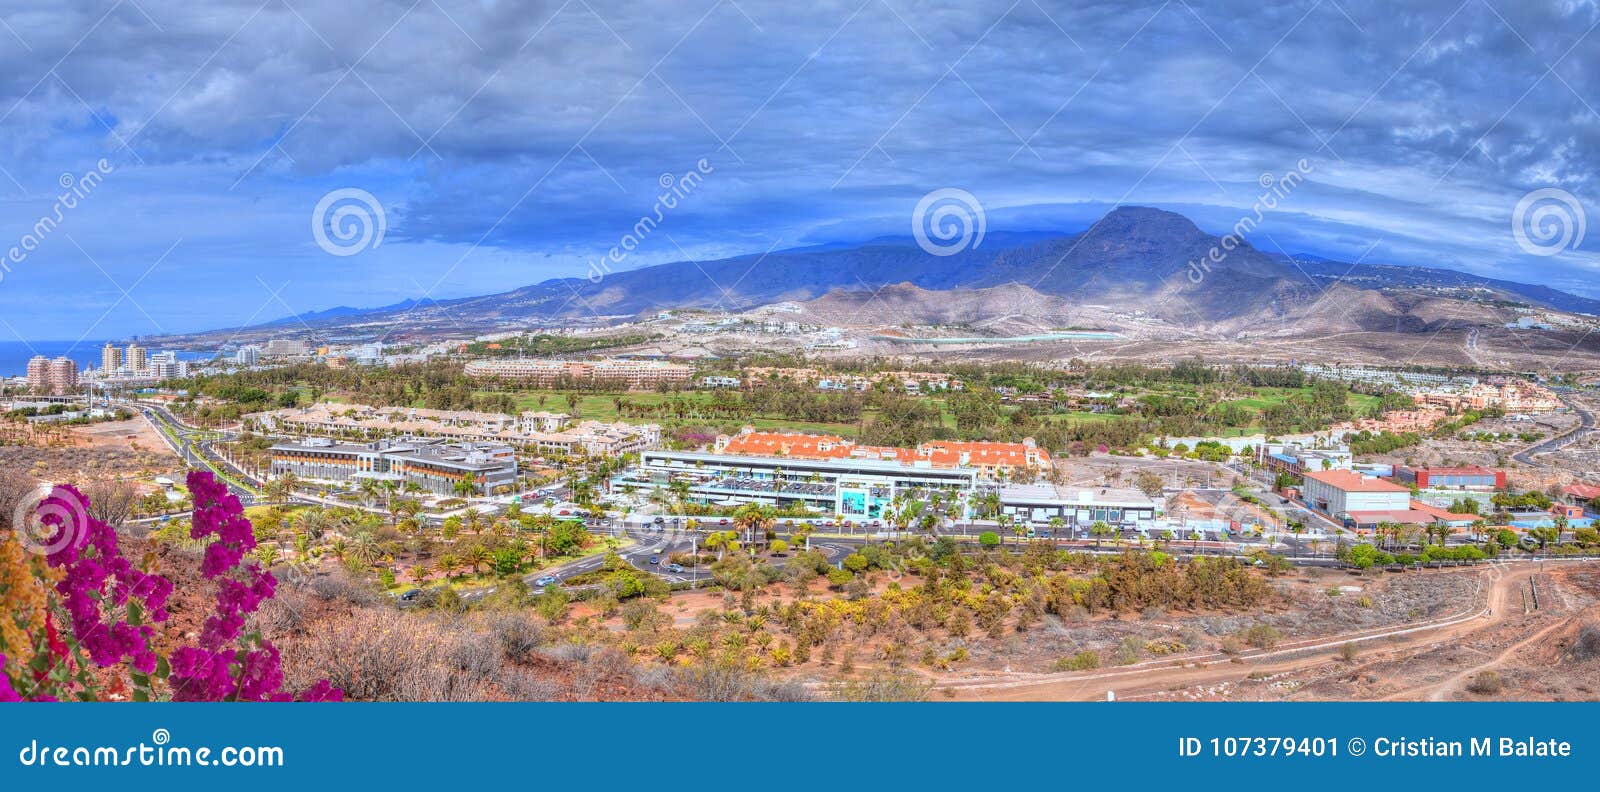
193 446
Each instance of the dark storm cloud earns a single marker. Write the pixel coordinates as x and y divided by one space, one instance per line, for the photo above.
510 142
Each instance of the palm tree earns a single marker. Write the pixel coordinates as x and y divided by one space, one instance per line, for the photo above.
477 556
267 554
420 573
365 548
449 564
751 518
1098 530
368 487
313 522
463 487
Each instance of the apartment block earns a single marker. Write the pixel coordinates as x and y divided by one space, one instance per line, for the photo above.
634 374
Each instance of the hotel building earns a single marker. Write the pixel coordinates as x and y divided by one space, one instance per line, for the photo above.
435 466
634 374
543 433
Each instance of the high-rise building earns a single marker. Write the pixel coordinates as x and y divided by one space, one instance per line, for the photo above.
166 365
63 376
136 359
285 347
39 374
248 355
110 359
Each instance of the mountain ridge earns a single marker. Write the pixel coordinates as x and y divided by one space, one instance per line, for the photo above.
1147 258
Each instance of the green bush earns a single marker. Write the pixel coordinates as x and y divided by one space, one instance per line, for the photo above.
1082 661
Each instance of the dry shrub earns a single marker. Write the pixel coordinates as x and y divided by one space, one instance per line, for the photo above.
376 655
708 682
1587 645
1486 683
519 635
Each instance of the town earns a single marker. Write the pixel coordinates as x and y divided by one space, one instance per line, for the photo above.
605 488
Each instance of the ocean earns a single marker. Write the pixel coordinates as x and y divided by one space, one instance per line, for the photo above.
14 355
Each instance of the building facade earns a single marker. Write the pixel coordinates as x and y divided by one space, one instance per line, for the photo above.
111 359
58 377
1022 461
545 433
1473 477
635 374
437 467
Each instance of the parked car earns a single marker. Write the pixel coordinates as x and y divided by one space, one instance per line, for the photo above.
411 596
547 580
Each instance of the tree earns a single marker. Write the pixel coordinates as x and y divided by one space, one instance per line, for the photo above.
420 574
477 557
267 554
1149 483
754 520
1099 529
778 546
449 564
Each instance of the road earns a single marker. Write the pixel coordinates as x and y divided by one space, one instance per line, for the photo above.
193 446
1585 425
1492 608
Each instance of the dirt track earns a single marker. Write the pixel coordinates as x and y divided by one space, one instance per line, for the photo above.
1497 609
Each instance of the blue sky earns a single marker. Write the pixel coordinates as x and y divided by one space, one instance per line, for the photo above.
508 143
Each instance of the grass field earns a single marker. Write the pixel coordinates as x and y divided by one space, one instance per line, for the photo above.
602 406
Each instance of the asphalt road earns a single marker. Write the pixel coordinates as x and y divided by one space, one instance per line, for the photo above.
1585 425
194 448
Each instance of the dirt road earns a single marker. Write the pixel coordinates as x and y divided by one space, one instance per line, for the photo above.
1497 604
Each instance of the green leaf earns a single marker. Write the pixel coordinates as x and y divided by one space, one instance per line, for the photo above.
163 668
141 695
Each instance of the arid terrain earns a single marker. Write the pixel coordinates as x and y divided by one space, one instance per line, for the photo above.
1482 638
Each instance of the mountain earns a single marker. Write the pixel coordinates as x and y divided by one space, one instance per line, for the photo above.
1394 276
1134 261
1157 259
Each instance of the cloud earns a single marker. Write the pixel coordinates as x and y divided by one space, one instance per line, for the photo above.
511 142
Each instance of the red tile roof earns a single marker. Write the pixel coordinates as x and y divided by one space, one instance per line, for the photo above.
1404 516
1584 491
938 453
1350 481
1443 514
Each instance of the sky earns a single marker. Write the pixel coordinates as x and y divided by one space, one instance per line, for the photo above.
180 153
